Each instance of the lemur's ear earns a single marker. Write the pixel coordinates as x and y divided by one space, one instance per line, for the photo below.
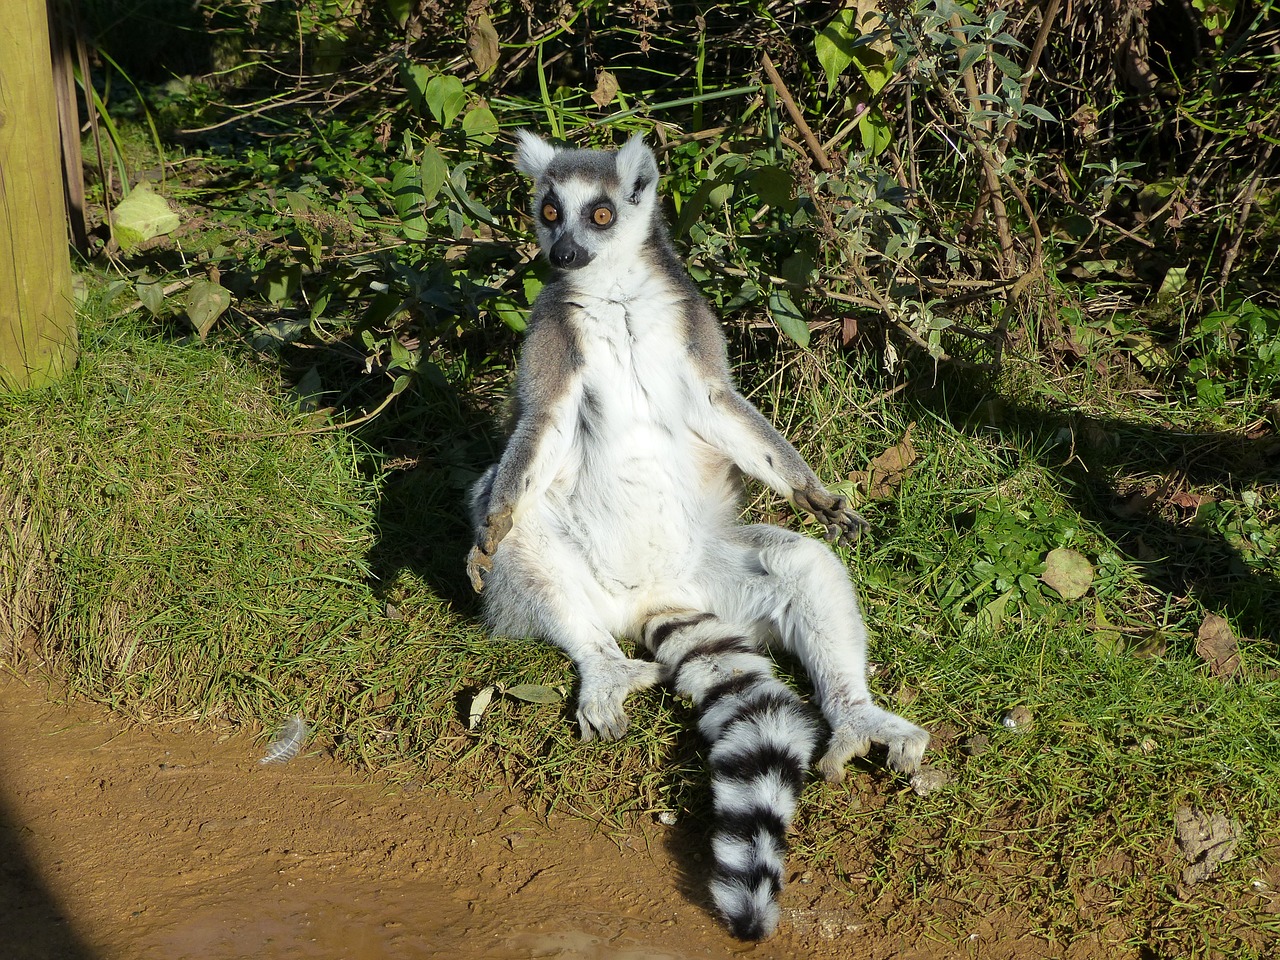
637 169
532 154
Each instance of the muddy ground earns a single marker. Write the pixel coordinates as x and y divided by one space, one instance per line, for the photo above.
125 842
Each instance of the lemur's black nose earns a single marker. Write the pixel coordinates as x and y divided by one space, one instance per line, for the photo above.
567 254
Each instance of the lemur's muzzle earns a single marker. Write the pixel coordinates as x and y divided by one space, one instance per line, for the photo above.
567 254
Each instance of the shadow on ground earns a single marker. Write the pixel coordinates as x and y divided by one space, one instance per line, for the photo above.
34 924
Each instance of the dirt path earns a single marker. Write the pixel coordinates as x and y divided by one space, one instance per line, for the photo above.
122 842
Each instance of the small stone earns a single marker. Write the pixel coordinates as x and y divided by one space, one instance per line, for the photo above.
806 877
976 745
1019 719
928 779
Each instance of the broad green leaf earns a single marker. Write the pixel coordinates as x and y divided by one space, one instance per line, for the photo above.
875 132
445 98
400 10
406 195
152 296
432 172
773 185
480 125
280 283
1069 572
141 215
416 78
206 301
510 313
788 317
834 46
1175 281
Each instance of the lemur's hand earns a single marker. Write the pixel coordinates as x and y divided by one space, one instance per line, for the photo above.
480 560
833 512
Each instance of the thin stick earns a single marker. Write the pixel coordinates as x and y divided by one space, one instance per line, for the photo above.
815 147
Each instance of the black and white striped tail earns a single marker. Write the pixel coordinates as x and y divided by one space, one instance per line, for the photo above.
762 740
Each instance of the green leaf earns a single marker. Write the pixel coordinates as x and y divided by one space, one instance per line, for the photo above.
400 10
834 46
206 302
1006 66
788 317
510 313
416 78
480 125
407 196
773 185
1069 572
152 296
445 98
875 132
141 215
534 693
432 173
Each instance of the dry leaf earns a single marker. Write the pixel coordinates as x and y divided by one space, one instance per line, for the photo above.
484 44
606 89
479 704
1217 646
886 472
1069 572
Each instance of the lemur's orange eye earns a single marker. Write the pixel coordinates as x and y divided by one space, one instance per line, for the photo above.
550 213
603 216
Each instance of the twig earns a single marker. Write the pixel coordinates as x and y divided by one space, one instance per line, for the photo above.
815 147
1246 205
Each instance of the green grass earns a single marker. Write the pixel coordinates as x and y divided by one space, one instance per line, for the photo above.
183 543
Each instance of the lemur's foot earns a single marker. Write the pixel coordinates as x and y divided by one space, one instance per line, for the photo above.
603 693
859 725
833 512
480 560
479 564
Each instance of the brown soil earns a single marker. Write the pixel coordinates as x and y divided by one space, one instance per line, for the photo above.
167 842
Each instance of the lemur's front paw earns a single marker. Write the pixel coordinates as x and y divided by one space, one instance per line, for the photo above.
496 526
858 725
603 693
479 564
834 513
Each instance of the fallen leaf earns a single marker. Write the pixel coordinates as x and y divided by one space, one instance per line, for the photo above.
1206 840
534 693
606 89
1217 646
1068 572
141 215
483 44
479 704
886 472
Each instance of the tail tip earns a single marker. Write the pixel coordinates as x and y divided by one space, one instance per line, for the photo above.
750 914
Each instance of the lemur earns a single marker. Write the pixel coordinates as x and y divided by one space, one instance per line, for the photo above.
613 512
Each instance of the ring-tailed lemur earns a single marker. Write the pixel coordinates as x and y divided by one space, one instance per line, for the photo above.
613 512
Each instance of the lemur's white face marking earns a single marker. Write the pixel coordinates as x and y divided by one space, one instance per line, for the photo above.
592 209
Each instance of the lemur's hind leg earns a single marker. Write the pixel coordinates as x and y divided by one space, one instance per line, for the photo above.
800 591
537 587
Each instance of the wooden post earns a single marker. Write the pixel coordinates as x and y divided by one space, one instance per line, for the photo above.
37 312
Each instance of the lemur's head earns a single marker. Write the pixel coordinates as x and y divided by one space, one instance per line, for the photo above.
590 206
